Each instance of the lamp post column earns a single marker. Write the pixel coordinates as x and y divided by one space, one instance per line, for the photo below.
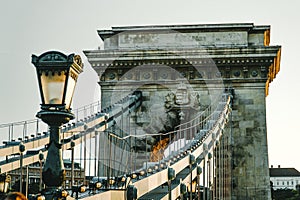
53 172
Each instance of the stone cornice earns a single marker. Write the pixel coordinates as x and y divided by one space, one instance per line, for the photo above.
236 64
273 70
103 56
206 27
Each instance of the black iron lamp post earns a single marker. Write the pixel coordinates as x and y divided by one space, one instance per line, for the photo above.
209 156
192 161
21 150
199 171
57 76
171 176
41 158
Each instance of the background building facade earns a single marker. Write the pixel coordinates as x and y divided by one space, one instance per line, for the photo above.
284 178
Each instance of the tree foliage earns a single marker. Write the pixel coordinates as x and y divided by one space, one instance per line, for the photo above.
286 194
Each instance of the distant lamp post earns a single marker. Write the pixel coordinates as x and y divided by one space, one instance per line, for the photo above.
209 156
183 191
199 171
21 150
171 176
57 76
41 159
192 161
72 162
131 192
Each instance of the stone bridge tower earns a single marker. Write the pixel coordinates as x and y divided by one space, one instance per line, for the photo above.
185 67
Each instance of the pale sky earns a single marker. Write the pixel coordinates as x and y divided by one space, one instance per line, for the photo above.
34 26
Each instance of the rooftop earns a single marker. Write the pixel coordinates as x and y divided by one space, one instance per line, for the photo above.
185 36
186 27
283 172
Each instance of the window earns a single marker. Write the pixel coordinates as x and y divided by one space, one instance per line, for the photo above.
282 182
287 183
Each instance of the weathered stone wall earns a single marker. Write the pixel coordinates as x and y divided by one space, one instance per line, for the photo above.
250 175
132 40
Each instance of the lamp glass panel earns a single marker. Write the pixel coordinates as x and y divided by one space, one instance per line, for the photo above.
70 91
53 87
194 186
3 186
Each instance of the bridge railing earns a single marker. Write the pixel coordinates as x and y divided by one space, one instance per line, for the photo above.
126 152
87 110
185 133
23 130
120 155
29 132
121 159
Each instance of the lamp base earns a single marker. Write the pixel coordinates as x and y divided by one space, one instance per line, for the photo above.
55 194
53 178
55 118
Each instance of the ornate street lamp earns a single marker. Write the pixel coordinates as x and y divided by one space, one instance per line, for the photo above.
57 76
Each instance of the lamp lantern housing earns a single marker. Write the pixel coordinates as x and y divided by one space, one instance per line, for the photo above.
57 76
